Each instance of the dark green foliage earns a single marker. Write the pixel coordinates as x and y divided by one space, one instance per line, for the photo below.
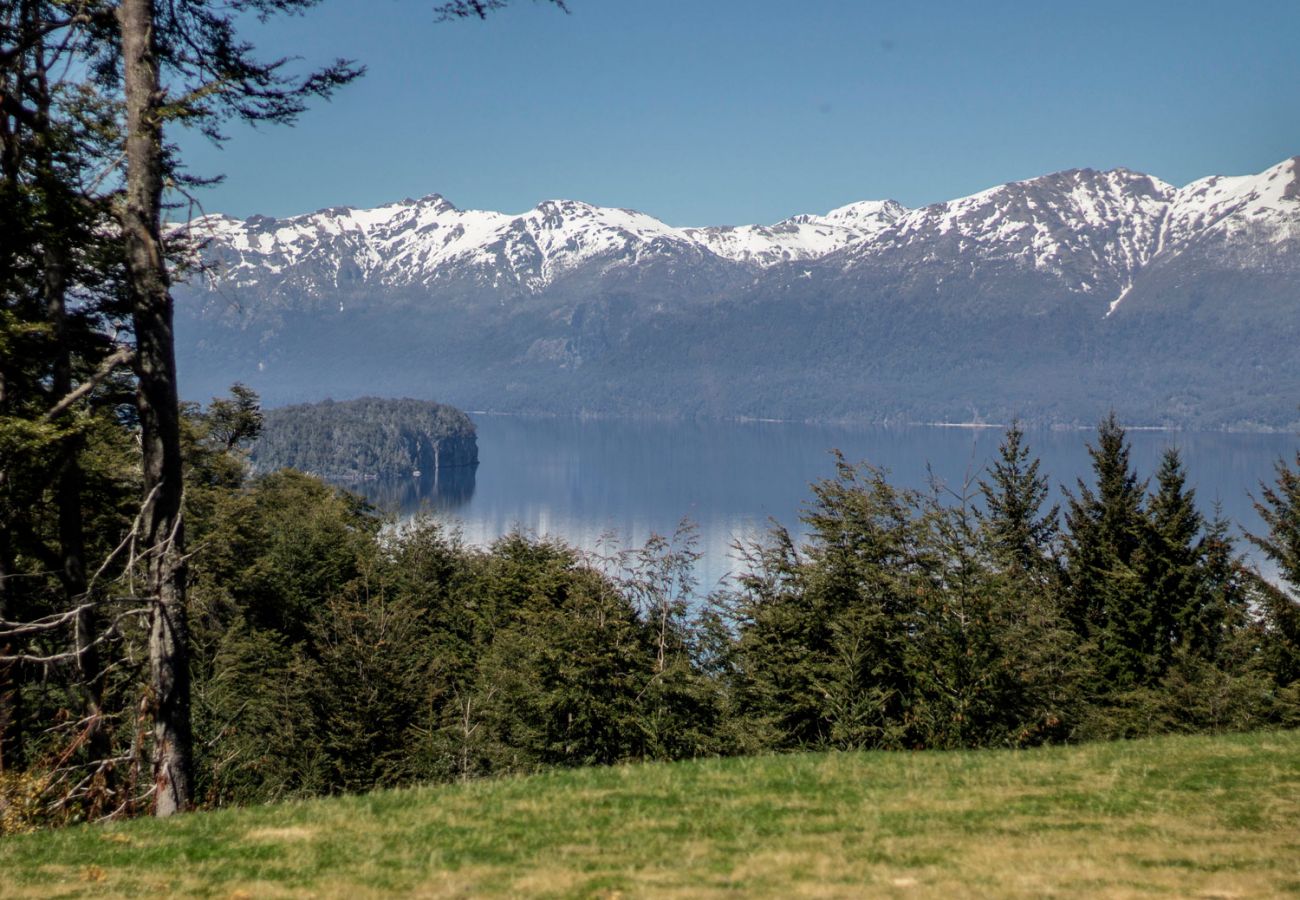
820 632
369 669
1173 567
1107 601
61 387
1279 507
1162 603
278 551
365 439
406 655
235 421
563 677
895 628
997 663
1020 532
254 702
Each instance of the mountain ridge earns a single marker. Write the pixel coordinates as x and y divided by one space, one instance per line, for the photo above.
1099 283
1199 205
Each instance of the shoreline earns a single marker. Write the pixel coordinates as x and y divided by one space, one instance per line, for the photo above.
857 423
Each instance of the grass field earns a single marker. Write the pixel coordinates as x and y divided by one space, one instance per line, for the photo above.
1181 816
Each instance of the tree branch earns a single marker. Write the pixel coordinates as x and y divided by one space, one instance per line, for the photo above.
122 356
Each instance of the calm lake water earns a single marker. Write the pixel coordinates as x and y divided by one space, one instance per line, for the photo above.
580 479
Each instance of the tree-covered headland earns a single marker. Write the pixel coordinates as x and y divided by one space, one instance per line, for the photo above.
369 438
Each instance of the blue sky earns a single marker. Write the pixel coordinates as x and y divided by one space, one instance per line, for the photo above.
734 111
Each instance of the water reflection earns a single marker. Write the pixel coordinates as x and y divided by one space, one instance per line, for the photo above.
443 492
579 479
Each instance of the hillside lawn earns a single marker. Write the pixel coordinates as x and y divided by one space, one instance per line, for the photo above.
1176 816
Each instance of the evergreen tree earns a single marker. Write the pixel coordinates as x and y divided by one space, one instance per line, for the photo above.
59 370
1279 507
1221 611
677 713
256 706
1173 565
1106 601
563 678
1020 533
991 661
762 635
1217 678
236 421
823 633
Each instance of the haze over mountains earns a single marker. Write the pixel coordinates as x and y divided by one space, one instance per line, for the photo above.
1052 299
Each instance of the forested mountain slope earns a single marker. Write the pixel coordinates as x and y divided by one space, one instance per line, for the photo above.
1054 299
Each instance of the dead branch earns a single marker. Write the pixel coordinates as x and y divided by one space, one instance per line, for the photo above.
128 541
120 357
77 652
47 623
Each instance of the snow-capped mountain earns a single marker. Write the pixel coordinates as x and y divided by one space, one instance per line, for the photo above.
420 242
1101 227
801 237
1087 227
1249 209
1077 272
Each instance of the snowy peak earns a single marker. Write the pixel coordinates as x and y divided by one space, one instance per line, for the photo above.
568 219
430 239
1108 220
1094 230
1264 206
801 237
561 235
435 202
868 214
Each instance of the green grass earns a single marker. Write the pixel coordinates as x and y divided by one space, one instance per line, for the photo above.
1180 816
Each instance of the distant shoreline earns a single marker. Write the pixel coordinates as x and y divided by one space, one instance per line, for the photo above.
867 423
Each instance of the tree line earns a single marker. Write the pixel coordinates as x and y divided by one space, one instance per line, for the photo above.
331 653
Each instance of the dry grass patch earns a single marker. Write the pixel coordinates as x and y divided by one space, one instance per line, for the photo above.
280 835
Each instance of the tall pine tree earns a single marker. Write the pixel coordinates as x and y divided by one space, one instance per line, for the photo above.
1019 531
1106 597
1279 507
1172 563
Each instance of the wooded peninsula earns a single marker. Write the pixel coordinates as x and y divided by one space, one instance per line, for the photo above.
366 439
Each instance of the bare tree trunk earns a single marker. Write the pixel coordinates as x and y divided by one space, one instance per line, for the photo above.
157 401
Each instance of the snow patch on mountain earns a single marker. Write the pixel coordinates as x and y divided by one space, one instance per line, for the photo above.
1264 206
800 237
1094 230
421 241
1108 220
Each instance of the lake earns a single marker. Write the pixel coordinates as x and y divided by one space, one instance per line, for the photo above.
580 479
